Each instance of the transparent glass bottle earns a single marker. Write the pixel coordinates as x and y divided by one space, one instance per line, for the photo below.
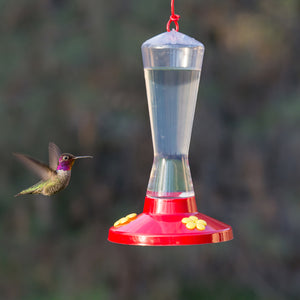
172 66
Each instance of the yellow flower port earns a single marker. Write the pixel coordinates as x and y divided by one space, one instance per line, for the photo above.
193 222
125 220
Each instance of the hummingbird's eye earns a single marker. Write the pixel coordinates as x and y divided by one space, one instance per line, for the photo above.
66 157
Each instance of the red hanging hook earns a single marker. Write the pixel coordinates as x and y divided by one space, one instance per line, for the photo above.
173 18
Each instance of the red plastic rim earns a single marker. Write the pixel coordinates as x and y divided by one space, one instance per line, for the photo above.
161 224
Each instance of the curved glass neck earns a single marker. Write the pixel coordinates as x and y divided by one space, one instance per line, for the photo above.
172 96
170 177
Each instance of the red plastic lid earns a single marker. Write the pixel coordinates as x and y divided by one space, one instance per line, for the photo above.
169 222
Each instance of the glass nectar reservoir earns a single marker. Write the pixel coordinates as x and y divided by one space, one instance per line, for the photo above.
172 66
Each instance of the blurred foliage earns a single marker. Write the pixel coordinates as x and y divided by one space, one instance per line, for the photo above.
71 72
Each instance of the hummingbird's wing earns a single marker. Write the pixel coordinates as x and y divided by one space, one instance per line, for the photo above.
36 166
54 154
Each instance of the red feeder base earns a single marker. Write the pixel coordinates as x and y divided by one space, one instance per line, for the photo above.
162 224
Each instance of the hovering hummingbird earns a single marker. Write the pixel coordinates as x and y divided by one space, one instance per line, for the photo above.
55 177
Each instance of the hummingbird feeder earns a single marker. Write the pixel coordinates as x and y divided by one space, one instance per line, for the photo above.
172 66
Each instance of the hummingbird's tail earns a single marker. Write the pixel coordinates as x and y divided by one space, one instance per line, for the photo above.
19 194
26 192
35 189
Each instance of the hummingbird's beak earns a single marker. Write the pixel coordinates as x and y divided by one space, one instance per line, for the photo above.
77 157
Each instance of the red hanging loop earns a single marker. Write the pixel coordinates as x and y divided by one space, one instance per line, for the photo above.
173 18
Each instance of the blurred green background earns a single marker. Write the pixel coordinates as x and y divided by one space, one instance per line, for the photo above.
71 72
